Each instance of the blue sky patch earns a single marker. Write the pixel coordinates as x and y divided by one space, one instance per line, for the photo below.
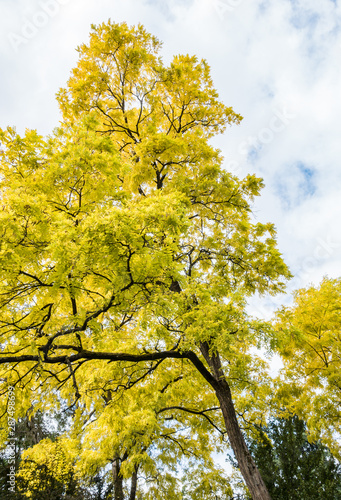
295 184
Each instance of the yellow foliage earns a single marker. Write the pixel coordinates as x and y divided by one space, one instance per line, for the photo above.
124 248
309 340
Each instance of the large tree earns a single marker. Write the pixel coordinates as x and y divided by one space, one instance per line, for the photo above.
126 247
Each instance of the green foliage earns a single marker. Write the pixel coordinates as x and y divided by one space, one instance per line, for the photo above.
292 467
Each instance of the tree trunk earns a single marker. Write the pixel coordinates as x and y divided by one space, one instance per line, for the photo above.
133 485
117 480
246 464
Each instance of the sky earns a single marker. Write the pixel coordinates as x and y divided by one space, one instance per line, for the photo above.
277 63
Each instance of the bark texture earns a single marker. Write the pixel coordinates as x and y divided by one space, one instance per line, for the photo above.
245 461
117 480
133 486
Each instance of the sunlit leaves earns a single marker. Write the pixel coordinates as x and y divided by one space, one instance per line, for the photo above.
308 336
122 235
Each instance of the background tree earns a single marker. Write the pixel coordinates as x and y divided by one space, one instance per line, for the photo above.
47 472
44 468
124 243
294 468
28 432
309 341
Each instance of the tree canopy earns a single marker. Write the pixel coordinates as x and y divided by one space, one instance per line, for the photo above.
128 253
309 341
293 467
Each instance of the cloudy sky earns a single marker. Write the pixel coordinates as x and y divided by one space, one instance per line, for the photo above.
276 62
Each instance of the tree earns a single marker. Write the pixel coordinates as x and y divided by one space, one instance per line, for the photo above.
27 432
43 464
309 341
47 472
292 467
126 247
